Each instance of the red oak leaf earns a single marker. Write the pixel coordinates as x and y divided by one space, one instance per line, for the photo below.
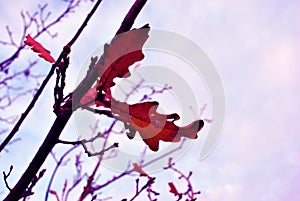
151 125
138 169
37 47
124 50
173 189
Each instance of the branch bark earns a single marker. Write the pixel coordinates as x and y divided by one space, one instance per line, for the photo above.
62 119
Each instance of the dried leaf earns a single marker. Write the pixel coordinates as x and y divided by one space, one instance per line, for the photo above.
173 189
125 50
138 169
37 47
153 126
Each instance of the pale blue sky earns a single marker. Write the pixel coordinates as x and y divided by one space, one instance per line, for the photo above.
253 45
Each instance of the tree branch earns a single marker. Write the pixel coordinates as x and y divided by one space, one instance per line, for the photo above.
41 27
62 119
5 176
138 192
58 164
51 72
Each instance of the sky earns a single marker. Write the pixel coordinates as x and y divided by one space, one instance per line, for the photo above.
253 45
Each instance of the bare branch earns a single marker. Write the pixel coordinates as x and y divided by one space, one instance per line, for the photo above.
114 145
58 164
5 176
40 90
62 120
34 181
39 19
190 191
149 183
69 142
128 172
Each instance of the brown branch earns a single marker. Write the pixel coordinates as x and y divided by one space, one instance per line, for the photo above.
78 177
190 191
83 143
5 176
34 181
92 75
114 145
58 164
38 160
131 16
138 192
62 119
7 99
69 142
61 76
40 90
84 24
41 27
127 172
88 189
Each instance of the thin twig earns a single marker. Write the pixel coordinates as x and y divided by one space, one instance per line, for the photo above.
40 26
190 191
88 187
5 176
34 181
43 85
58 164
61 120
114 145
69 142
149 182
127 172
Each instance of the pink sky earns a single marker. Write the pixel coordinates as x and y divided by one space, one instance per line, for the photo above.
253 45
